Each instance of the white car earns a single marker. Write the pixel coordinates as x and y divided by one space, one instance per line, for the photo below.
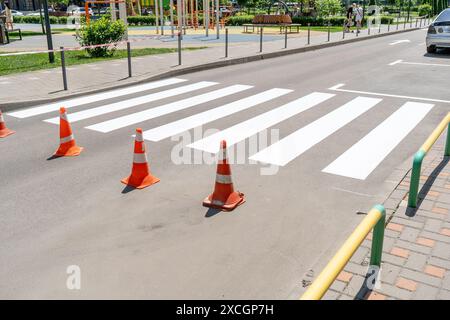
14 13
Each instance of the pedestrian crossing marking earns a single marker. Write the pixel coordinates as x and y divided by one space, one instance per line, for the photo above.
121 105
364 156
46 108
173 128
292 146
358 162
121 122
246 129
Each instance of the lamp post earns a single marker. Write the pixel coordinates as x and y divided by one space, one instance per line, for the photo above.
51 55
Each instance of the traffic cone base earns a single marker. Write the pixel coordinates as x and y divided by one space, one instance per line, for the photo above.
140 183
235 199
68 150
6 132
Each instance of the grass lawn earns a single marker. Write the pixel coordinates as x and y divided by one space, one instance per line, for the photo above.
32 62
27 33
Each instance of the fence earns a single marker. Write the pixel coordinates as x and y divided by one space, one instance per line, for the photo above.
420 155
375 219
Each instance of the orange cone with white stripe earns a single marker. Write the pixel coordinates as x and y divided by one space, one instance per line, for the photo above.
4 131
67 145
140 173
224 197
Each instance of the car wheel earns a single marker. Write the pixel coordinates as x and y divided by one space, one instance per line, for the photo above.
431 49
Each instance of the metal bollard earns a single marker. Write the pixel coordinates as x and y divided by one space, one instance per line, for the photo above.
343 31
285 37
379 28
226 42
63 67
260 39
309 33
129 58
420 23
404 24
328 31
410 23
368 30
179 48
398 21
389 25
416 22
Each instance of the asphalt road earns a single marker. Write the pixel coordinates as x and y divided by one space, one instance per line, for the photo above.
160 242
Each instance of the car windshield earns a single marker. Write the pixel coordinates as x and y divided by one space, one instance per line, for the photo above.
444 16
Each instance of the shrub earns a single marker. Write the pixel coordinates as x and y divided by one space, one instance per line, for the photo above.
141 20
240 20
102 31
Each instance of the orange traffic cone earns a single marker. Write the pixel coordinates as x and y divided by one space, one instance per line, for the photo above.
67 145
4 131
224 197
140 174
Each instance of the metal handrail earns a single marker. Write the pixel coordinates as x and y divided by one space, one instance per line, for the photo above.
420 155
375 219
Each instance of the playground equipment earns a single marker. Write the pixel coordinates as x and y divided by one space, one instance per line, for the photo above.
112 3
188 15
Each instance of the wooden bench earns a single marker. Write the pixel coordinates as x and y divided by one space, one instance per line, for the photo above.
283 27
13 30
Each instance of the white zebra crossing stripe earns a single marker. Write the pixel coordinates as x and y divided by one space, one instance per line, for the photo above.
287 149
364 156
121 105
93 98
121 122
254 125
199 119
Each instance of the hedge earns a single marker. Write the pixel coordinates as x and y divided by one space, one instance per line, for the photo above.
314 21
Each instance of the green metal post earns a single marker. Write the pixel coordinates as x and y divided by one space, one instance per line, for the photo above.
447 144
377 239
415 178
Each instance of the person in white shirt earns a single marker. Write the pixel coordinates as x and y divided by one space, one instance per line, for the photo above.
358 17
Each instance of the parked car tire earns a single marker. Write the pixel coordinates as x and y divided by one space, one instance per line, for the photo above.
431 49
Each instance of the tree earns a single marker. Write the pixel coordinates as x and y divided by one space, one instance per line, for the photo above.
327 8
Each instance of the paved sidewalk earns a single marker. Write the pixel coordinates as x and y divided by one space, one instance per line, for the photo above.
416 251
47 84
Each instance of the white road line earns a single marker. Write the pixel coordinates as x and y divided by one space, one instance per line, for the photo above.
364 156
289 148
399 41
395 62
93 98
148 114
340 85
254 125
170 129
121 105
425 64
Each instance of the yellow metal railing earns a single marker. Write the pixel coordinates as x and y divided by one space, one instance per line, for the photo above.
375 220
420 155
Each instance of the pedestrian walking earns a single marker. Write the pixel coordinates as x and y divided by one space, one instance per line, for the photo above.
359 13
350 18
9 17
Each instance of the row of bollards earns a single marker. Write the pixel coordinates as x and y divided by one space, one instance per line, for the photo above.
418 23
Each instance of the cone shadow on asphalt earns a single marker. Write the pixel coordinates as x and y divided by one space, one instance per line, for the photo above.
411 212
212 212
127 189
52 157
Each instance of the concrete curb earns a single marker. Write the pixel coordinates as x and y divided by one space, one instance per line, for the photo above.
197 68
